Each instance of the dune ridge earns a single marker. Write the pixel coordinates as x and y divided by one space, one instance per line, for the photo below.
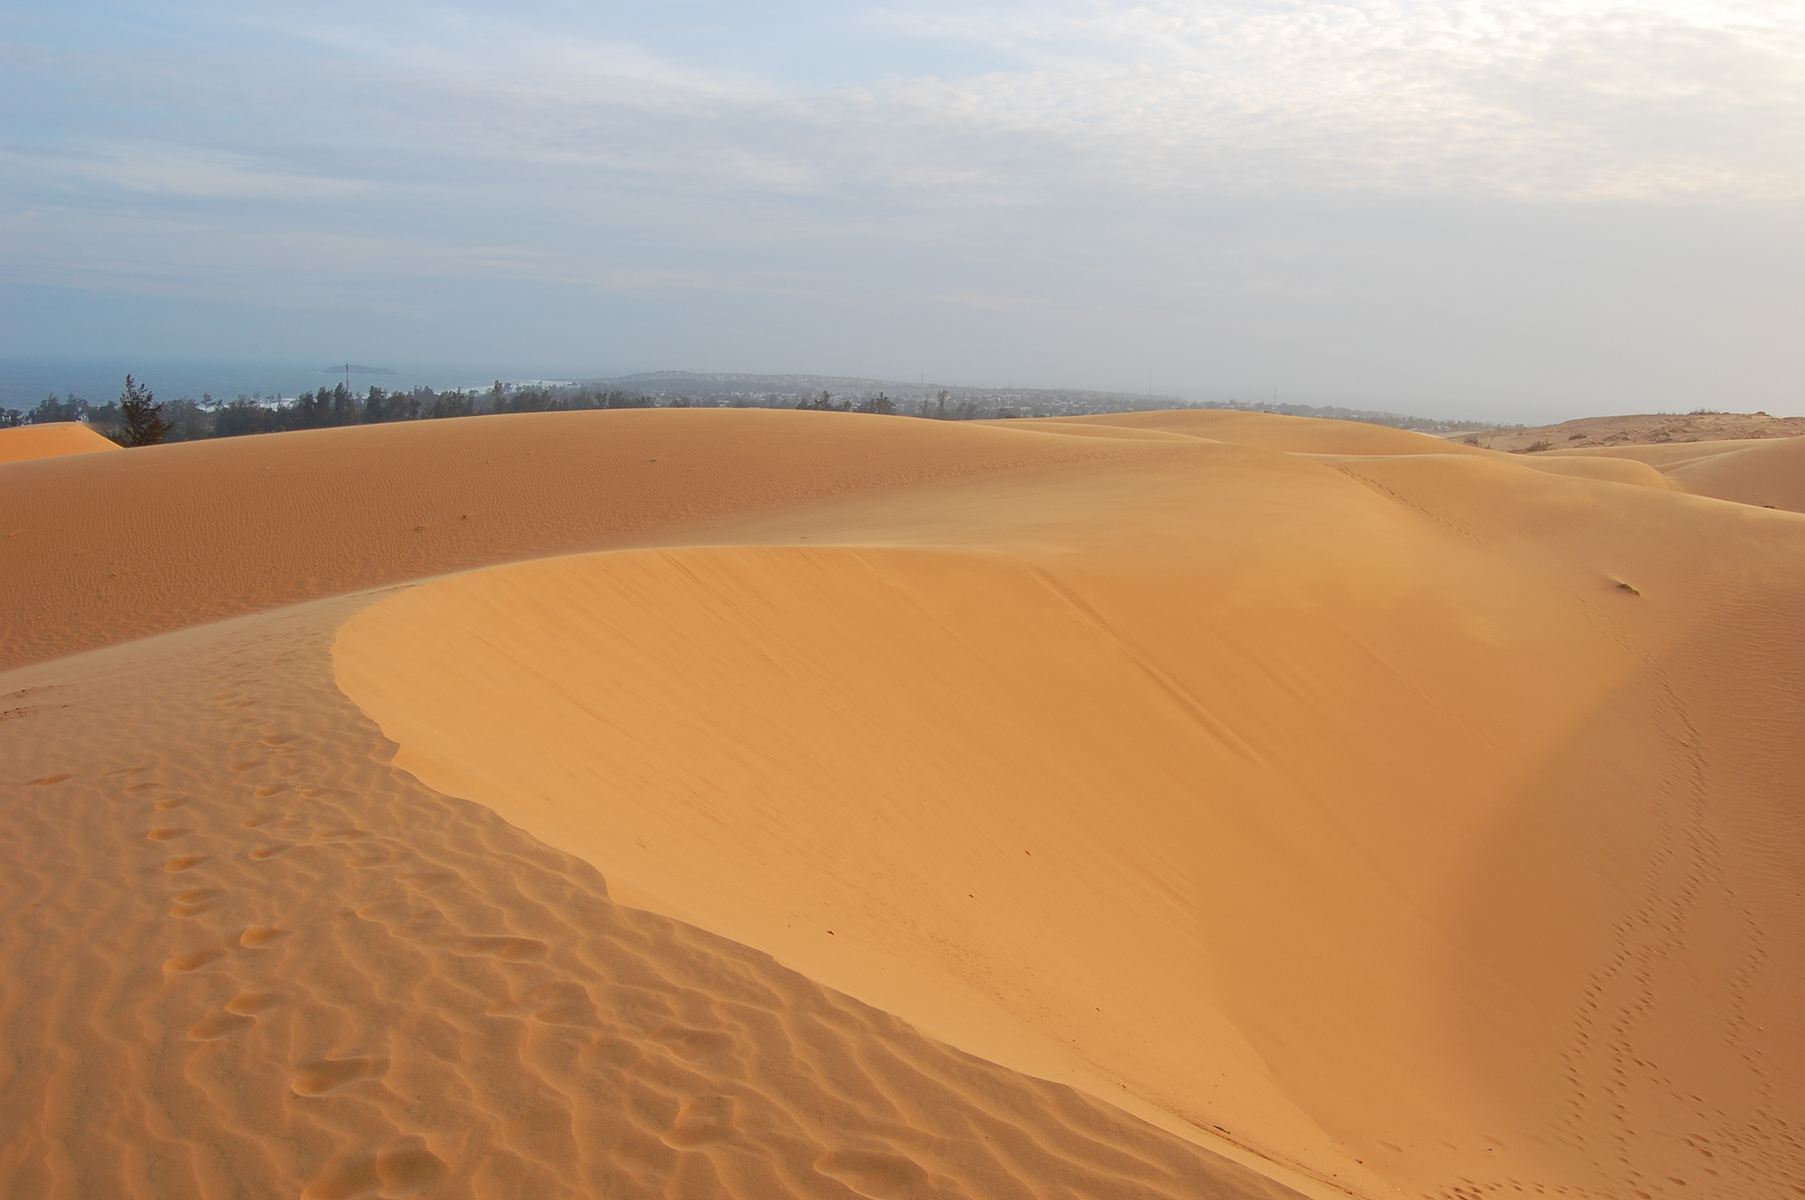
107 548
245 955
51 440
1640 429
1767 472
1269 805
1219 734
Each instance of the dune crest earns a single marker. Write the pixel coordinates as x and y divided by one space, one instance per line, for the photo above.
1767 472
107 548
1397 817
245 955
52 440
1272 807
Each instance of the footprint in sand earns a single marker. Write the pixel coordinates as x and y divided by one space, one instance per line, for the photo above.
695 1045
552 1004
258 936
324 1075
700 1121
404 1167
508 949
194 901
214 1026
874 1173
249 1004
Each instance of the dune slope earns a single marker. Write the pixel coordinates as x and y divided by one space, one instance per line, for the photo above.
1422 822
53 440
105 548
1190 805
246 956
1769 472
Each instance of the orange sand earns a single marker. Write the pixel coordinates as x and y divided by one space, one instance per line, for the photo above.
50 441
1765 472
1384 817
1638 429
243 955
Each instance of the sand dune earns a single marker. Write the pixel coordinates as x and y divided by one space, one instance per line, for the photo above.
1271 432
1311 806
1639 429
244 955
50 441
1126 804
112 547
1769 472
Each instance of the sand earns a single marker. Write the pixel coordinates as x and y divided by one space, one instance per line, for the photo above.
1750 458
51 440
108 548
246 956
1769 473
1639 429
1183 804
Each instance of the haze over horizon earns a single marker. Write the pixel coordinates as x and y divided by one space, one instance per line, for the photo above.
1524 212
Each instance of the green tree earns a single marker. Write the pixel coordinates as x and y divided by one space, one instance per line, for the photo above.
49 409
142 416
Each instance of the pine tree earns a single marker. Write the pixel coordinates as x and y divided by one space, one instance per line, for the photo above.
144 423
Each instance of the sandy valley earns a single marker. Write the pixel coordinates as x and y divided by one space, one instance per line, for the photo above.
682 803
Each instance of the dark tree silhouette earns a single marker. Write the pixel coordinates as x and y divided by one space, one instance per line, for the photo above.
143 416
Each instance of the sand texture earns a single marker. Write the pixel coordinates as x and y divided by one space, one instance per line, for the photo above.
107 548
246 956
50 441
1764 472
1193 804
1638 430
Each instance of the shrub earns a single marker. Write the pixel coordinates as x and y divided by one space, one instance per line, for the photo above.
141 415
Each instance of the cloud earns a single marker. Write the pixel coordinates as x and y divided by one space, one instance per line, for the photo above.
183 171
1541 101
1091 182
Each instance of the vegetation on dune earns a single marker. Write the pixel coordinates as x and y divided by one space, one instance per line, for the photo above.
140 416
135 419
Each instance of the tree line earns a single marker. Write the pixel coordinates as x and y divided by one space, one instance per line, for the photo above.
138 419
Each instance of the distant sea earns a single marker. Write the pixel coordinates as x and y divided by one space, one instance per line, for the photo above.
24 382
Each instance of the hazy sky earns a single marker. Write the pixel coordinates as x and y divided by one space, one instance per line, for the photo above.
1516 210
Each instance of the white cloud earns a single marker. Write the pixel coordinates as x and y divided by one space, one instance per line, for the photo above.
1574 100
1543 101
1372 190
184 171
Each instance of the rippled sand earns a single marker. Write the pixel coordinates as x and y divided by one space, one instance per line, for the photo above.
1199 804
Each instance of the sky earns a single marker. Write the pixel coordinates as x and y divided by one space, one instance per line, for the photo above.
1524 211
